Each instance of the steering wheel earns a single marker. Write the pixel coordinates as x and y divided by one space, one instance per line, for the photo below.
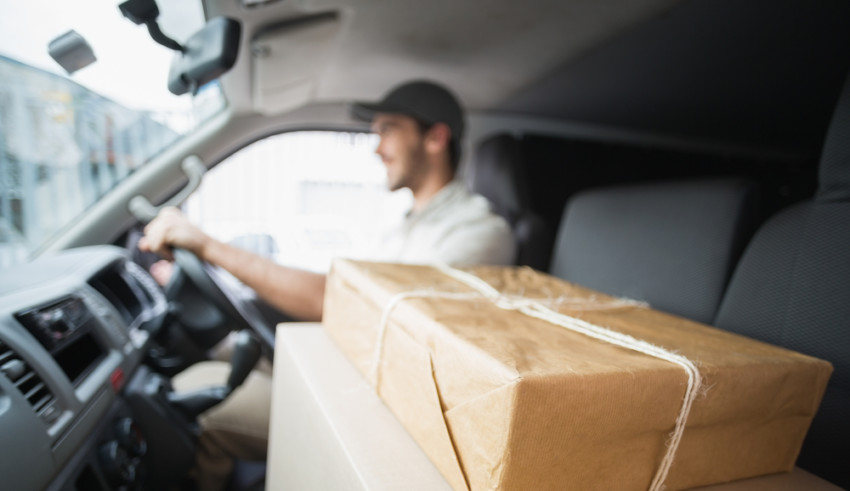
206 278
214 285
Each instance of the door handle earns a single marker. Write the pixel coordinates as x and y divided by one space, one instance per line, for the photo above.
142 209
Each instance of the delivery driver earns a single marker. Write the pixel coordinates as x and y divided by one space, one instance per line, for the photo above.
420 125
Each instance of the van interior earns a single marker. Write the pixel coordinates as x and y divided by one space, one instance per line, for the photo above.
692 154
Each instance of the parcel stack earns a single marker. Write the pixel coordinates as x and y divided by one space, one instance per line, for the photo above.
501 400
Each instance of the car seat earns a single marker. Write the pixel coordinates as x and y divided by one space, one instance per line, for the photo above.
792 288
673 244
498 175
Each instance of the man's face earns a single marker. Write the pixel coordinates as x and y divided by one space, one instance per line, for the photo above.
402 149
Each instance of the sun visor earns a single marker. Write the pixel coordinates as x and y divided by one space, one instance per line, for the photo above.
288 59
208 54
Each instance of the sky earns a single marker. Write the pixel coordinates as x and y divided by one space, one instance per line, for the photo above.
131 68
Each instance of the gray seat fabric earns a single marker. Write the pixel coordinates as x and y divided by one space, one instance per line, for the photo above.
498 175
673 244
792 288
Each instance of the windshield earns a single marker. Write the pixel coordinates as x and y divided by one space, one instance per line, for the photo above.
65 141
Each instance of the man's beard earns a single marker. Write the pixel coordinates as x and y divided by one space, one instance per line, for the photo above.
412 173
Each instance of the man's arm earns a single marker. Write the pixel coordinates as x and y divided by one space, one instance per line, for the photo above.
297 293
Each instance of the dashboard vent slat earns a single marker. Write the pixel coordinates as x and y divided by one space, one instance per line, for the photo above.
34 390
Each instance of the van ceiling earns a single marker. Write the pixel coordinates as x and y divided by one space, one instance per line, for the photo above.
757 72
762 73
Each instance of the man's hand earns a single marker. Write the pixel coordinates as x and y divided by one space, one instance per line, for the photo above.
172 229
295 292
162 271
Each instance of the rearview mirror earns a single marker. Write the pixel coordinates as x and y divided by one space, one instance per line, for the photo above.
207 55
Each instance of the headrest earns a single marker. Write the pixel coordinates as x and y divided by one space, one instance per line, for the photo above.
834 173
498 175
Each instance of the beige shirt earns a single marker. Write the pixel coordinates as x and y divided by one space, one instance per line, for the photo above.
455 227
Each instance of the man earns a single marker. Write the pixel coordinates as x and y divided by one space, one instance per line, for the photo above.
420 125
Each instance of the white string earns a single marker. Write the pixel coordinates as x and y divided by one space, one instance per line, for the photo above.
503 301
534 308
374 372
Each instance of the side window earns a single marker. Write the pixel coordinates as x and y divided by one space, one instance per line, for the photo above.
301 198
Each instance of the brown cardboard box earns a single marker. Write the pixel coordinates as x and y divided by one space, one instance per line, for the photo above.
500 400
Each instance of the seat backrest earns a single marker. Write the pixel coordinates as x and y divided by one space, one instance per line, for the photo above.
498 174
672 244
792 288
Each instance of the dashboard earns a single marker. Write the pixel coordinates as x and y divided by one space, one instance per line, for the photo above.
74 329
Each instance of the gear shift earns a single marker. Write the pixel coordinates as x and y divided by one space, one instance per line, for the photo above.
246 353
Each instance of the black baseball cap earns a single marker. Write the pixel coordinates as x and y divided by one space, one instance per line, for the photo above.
423 100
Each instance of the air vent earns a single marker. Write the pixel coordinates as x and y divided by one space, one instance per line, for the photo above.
28 383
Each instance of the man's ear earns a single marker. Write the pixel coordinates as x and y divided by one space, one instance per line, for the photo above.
438 138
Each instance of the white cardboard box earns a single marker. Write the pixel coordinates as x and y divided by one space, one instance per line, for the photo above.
329 431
